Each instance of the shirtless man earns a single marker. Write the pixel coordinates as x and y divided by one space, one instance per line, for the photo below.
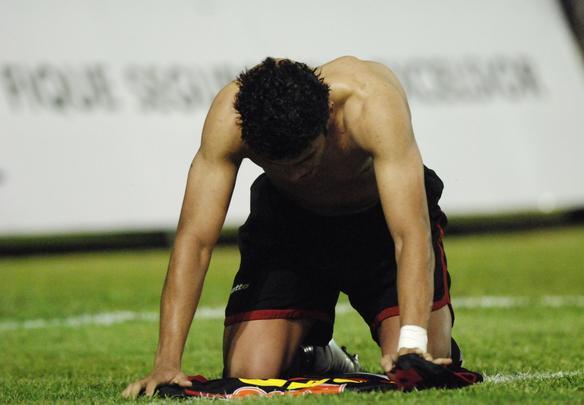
345 204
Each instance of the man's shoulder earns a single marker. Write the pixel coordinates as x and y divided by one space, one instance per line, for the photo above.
221 131
346 61
357 84
371 96
223 103
363 73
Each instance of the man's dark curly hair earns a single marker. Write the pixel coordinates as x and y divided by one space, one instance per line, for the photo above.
283 106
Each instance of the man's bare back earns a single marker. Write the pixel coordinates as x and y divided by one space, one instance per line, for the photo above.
336 176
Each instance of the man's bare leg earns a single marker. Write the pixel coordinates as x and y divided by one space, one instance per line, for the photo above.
439 334
262 348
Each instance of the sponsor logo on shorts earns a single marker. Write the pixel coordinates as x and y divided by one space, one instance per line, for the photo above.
239 287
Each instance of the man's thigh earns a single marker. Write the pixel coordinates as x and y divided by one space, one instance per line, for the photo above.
262 348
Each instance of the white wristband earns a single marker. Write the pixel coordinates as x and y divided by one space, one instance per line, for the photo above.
413 337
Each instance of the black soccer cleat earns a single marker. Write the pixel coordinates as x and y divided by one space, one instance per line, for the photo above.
332 359
326 360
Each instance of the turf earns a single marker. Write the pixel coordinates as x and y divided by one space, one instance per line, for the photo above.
93 363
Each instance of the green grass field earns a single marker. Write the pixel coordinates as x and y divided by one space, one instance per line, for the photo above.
79 327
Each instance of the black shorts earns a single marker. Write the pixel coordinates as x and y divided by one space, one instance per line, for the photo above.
294 262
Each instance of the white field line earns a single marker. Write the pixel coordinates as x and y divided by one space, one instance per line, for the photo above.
112 318
508 378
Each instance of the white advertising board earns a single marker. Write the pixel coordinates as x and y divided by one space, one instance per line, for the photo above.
102 102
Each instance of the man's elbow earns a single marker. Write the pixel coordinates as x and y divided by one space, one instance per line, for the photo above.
200 245
418 245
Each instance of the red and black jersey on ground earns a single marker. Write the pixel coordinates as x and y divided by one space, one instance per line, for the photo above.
411 373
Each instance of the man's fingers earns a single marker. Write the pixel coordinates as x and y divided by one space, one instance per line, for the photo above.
183 382
150 387
133 390
386 363
406 350
442 361
137 388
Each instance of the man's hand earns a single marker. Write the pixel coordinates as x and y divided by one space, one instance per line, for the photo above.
389 360
157 377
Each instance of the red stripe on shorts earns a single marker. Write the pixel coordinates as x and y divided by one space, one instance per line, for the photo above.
262 314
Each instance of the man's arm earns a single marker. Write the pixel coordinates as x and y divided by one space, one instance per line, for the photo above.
209 188
385 130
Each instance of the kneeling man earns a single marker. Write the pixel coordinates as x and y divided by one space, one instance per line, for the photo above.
344 204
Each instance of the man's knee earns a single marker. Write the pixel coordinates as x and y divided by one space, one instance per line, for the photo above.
253 367
440 333
263 348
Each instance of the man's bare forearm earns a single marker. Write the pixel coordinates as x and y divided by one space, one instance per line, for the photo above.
415 282
180 296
